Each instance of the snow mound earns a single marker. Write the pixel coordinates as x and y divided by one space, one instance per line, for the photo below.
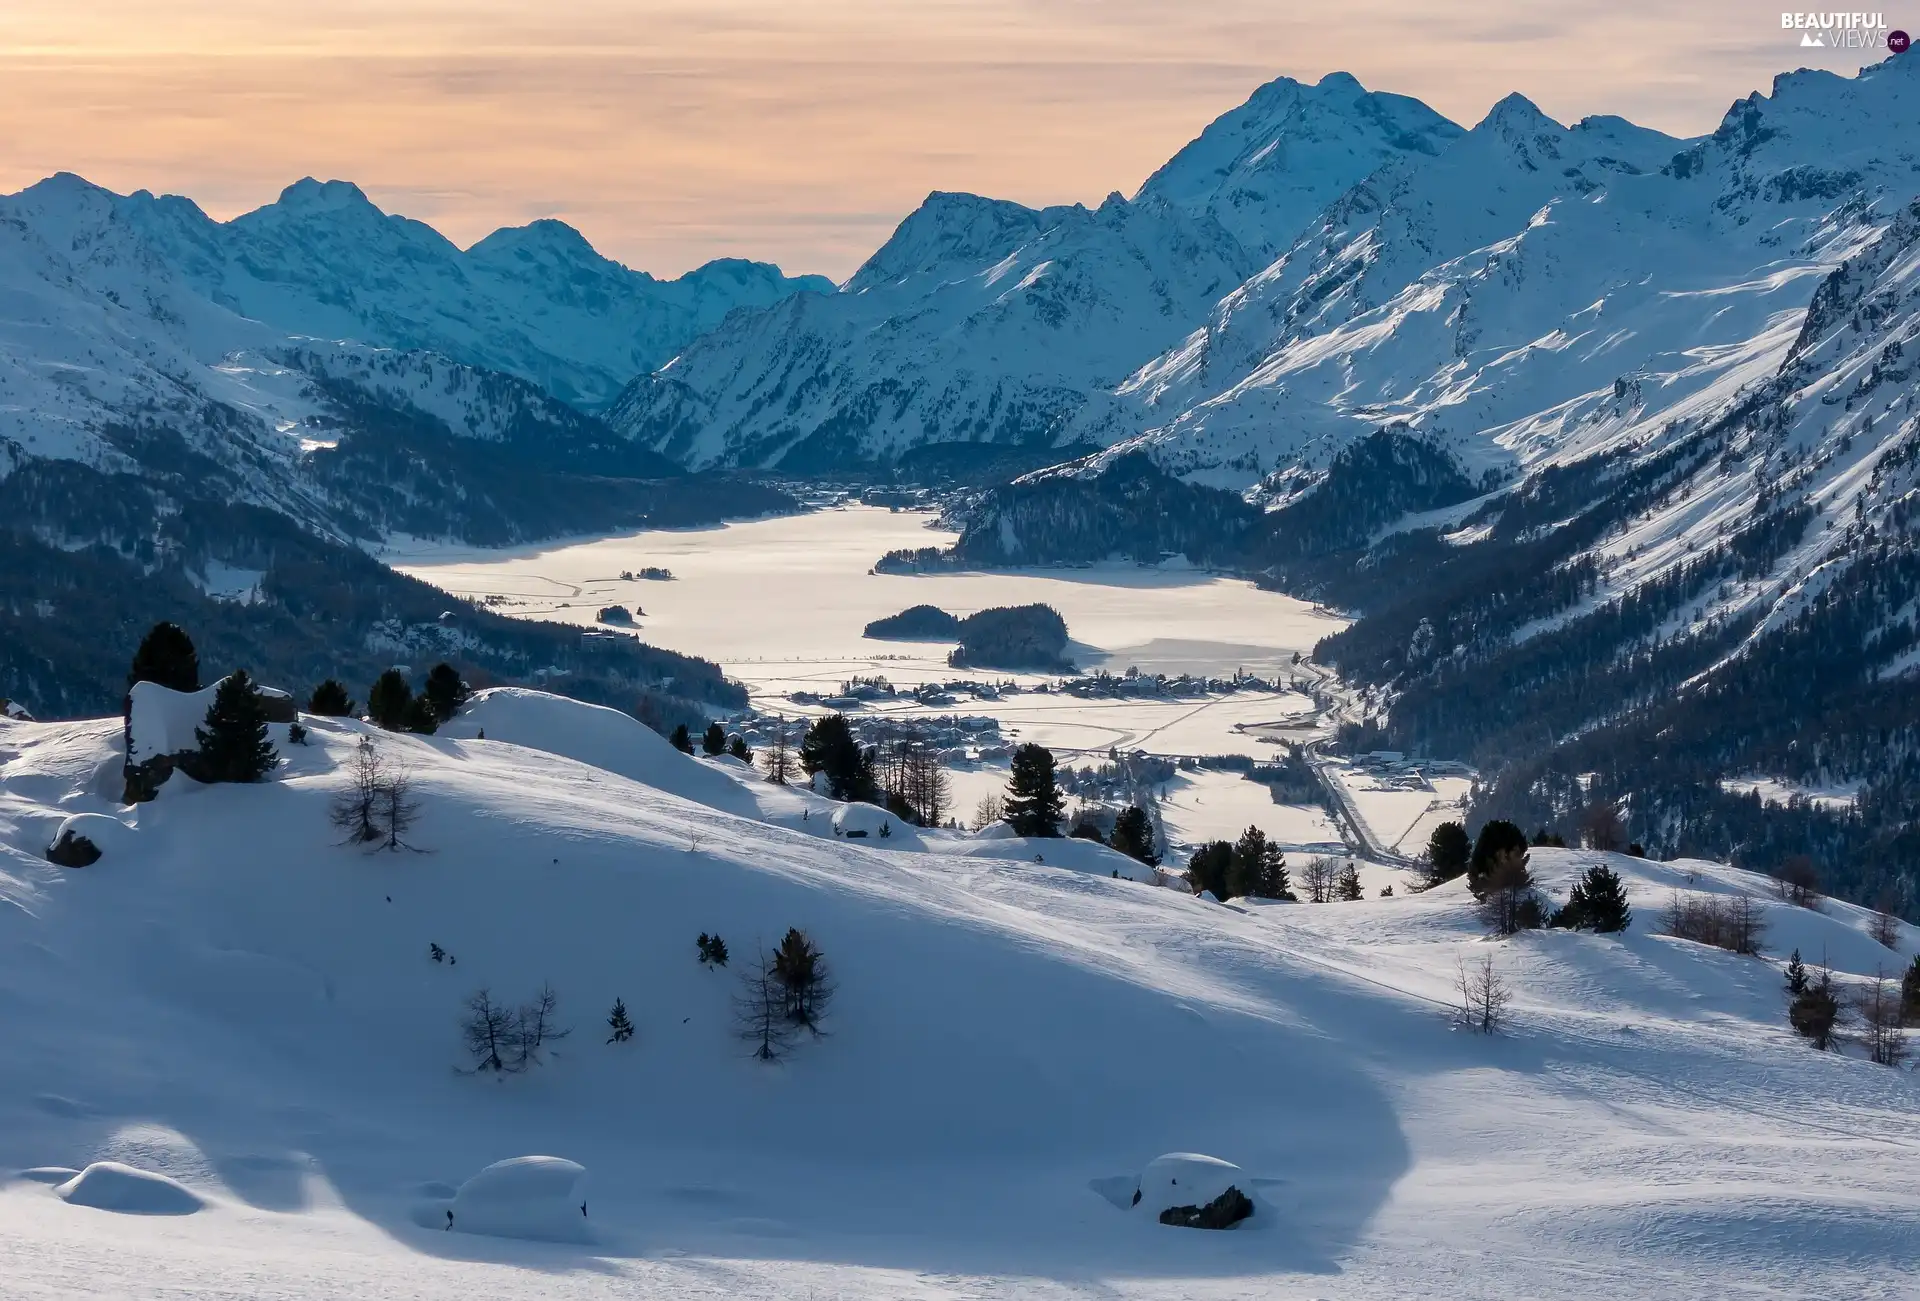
1058 851
599 737
538 1197
873 824
164 720
1187 1179
110 1186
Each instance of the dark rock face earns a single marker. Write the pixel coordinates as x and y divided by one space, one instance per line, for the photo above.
1223 1212
278 707
73 850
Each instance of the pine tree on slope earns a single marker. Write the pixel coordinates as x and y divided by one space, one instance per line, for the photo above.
233 741
1035 805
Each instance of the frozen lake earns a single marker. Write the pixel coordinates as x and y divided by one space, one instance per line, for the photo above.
781 604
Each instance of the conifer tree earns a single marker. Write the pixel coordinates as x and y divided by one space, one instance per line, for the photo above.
1910 991
1347 888
1448 852
1797 974
713 950
445 692
330 699
714 741
1207 870
829 747
618 1022
1499 842
389 699
1035 805
166 656
233 742
682 741
1602 900
737 747
801 973
421 716
1133 835
1814 1012
1248 863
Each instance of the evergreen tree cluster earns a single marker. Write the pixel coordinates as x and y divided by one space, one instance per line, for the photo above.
392 704
829 747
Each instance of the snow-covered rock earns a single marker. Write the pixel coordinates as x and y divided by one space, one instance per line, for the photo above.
538 1197
1187 1179
873 824
107 835
112 1186
163 720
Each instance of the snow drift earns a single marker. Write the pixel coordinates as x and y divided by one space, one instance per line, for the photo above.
539 1197
111 1186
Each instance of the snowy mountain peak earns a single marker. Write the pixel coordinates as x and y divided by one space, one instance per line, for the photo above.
547 242
1266 168
1515 112
308 194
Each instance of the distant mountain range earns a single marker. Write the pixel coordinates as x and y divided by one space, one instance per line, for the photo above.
199 420
1606 436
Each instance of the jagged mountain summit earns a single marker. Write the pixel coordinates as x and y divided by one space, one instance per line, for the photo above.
983 321
534 301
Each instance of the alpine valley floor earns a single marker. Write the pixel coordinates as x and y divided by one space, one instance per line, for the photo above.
232 999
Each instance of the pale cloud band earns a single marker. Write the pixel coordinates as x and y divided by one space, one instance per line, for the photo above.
675 132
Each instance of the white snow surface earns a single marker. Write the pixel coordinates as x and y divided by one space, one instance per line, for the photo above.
248 1008
596 736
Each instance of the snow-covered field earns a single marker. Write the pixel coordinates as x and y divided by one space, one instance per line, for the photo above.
781 603
234 1001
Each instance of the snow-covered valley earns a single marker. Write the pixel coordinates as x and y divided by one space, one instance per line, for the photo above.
234 1000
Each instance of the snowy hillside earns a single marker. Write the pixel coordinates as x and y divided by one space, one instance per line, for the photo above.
982 321
248 1017
534 301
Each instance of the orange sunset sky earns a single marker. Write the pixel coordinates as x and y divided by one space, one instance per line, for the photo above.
799 132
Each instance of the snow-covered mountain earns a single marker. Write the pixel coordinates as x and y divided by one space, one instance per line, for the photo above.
1606 436
534 301
982 321
112 358
159 450
264 1024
